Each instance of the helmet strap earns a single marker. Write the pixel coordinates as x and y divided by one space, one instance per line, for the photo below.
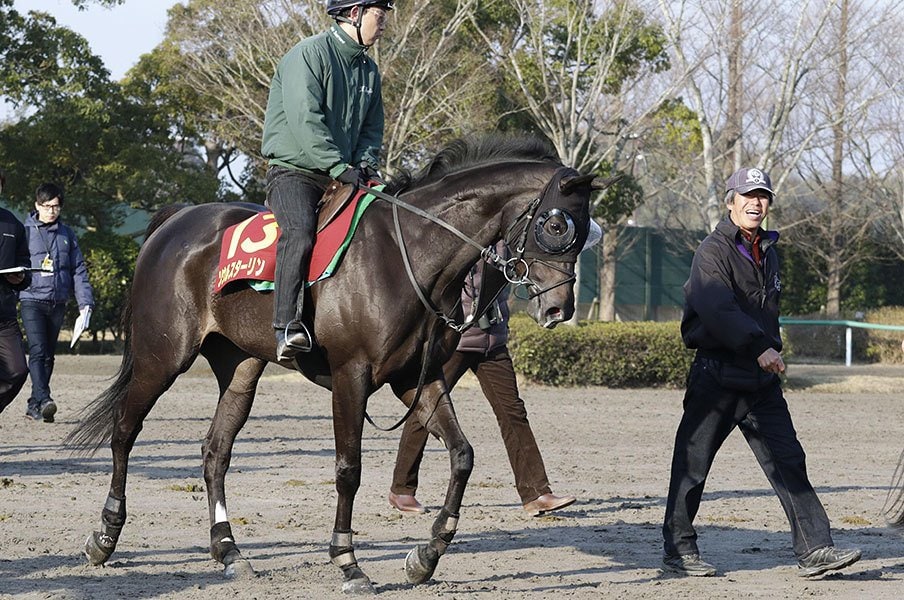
356 23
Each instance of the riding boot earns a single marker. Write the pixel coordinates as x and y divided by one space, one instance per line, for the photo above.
293 339
293 199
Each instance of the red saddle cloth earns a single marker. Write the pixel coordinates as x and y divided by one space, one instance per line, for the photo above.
248 251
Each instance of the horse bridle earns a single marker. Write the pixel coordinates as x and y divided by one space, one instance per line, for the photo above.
509 267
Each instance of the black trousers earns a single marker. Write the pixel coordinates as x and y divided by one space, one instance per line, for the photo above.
13 370
496 375
293 198
711 412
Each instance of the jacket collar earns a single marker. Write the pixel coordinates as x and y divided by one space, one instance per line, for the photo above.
733 232
348 47
32 221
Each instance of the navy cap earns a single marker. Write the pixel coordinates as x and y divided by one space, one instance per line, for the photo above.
746 180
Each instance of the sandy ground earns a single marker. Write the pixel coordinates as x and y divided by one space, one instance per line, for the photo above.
611 448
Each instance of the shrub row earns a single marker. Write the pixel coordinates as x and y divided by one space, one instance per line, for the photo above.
631 354
645 353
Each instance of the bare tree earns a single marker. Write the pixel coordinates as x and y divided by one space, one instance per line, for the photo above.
744 67
434 85
574 67
840 205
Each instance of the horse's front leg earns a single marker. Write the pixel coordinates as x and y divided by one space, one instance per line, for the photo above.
435 412
349 399
237 377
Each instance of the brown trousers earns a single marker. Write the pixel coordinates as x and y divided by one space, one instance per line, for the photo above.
497 379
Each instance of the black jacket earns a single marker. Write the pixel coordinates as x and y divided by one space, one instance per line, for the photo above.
731 304
13 253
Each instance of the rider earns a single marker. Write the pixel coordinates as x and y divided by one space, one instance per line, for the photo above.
324 121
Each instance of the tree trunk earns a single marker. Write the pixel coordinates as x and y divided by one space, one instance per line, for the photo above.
608 247
732 131
833 291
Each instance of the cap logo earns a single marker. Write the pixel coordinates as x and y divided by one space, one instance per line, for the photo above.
755 176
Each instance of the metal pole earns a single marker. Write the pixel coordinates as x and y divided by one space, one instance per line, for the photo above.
847 347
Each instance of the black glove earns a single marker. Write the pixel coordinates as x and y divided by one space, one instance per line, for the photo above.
369 175
349 175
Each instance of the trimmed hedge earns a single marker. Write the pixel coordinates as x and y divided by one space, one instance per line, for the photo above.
632 354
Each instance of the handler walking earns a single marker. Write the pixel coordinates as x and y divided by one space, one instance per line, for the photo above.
482 349
731 319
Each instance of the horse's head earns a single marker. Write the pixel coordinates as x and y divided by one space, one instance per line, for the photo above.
545 243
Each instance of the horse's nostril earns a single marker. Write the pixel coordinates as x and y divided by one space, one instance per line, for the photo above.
554 316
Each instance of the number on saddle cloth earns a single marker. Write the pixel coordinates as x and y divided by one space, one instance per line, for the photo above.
248 250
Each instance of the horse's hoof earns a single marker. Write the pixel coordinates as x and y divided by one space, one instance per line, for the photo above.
239 569
415 569
96 552
358 586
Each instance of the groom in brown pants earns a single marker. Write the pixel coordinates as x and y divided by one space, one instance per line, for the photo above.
482 349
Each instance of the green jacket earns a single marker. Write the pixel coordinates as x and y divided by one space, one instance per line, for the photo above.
325 109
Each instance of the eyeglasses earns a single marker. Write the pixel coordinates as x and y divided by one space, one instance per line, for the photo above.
52 207
380 13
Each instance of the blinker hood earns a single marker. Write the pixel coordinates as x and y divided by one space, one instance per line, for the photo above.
559 225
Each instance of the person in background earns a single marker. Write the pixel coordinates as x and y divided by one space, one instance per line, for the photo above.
54 250
731 319
13 256
482 350
324 121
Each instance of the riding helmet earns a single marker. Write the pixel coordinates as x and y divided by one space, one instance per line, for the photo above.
334 7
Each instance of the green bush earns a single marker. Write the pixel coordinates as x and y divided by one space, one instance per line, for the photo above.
633 354
111 263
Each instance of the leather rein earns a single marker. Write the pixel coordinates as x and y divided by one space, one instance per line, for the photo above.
488 254
508 267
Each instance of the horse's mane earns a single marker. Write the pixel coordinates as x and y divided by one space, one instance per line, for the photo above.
472 151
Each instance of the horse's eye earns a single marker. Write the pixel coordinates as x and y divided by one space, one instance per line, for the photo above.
555 231
556 226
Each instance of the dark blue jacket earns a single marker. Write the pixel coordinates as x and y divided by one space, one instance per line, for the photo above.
70 275
13 253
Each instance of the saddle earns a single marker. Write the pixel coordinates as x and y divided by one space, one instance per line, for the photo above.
248 250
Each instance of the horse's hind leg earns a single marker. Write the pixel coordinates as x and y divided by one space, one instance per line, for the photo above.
237 375
436 414
141 383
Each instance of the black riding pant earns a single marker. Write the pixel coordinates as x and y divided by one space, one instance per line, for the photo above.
711 412
13 370
293 198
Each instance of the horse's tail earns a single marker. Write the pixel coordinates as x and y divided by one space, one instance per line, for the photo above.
97 419
894 501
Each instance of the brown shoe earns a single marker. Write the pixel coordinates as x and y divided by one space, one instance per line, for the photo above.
406 503
548 503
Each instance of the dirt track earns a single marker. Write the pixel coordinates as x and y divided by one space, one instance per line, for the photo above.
611 448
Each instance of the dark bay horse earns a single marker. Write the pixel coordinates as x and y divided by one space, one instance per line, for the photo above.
372 322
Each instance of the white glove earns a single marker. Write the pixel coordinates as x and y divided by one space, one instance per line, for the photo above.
86 316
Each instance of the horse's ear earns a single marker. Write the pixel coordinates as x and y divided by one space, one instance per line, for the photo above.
569 184
599 183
